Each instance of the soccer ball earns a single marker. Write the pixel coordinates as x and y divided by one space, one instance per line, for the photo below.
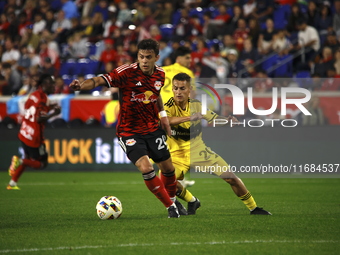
109 207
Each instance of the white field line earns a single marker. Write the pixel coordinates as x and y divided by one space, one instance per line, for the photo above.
164 244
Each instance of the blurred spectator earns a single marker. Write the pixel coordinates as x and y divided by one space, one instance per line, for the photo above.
233 64
124 14
108 55
241 33
201 49
183 29
49 18
248 8
4 23
24 61
249 54
133 50
332 83
76 27
61 87
60 27
216 63
331 41
317 117
109 115
164 52
23 22
264 10
148 18
336 17
254 31
88 8
228 44
263 83
97 27
10 55
166 14
295 15
47 67
323 20
39 23
218 25
281 44
77 46
265 44
308 39
29 38
29 85
12 82
45 51
122 56
155 33
237 14
312 12
70 9
325 63
337 61
29 7
102 7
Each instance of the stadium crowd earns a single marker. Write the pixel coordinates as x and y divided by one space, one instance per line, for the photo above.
255 40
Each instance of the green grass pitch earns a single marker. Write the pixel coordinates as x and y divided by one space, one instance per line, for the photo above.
54 213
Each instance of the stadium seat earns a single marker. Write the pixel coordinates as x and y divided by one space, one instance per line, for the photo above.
176 17
281 15
303 78
268 63
286 68
166 31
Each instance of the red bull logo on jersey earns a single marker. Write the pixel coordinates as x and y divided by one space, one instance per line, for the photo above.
158 85
146 97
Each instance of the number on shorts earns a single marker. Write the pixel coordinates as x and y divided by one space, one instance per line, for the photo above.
207 153
161 142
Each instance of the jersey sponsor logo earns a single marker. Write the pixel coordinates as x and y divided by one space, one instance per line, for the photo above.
139 84
158 85
130 142
145 97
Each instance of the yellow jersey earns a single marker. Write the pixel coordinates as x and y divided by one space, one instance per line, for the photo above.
187 134
170 72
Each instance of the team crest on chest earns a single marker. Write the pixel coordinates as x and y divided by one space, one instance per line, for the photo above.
158 85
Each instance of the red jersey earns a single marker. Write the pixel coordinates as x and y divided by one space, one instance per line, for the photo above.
138 94
31 132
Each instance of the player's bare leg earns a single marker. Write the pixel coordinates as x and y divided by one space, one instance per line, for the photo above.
155 185
242 192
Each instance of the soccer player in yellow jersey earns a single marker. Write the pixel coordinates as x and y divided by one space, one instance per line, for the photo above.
188 149
182 65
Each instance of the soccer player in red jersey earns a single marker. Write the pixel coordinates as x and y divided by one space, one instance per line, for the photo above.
37 108
138 128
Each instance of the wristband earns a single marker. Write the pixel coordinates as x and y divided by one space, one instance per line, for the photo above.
163 114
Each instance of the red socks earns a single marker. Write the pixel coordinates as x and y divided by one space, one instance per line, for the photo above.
156 186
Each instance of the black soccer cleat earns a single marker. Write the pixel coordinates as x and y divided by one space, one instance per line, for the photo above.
173 212
259 211
181 209
193 206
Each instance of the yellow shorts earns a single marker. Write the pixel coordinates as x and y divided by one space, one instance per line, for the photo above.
200 159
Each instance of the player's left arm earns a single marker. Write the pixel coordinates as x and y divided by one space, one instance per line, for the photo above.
43 116
163 116
219 120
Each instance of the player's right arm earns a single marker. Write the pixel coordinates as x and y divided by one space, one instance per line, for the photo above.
87 84
178 120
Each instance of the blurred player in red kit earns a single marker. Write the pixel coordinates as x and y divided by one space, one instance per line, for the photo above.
140 116
37 111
